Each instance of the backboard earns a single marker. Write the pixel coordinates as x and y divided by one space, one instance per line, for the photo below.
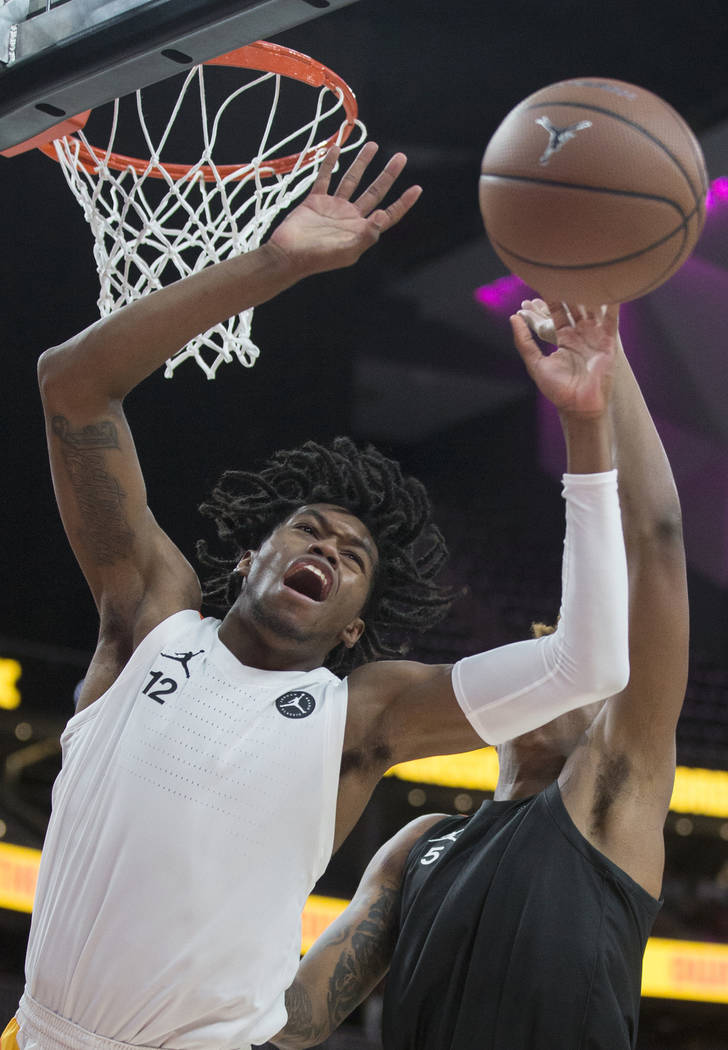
59 58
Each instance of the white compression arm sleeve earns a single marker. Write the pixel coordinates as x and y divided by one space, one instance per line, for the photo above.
516 688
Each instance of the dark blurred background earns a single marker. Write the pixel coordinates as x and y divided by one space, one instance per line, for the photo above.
398 351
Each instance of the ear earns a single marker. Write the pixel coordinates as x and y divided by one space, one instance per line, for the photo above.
352 632
243 566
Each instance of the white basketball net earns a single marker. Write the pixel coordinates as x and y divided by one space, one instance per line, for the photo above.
142 244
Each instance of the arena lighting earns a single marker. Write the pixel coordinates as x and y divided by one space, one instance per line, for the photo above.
672 969
10 672
702 792
718 193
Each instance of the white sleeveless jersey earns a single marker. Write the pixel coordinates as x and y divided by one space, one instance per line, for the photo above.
193 813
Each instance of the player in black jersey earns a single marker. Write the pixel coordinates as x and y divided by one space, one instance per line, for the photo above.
523 926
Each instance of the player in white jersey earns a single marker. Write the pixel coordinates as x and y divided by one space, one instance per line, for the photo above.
212 767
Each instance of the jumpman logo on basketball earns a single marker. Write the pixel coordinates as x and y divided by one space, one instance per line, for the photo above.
558 137
183 658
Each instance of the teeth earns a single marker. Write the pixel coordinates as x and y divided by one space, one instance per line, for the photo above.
314 570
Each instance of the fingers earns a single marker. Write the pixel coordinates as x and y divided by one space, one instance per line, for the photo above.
323 178
536 314
524 342
372 196
607 316
368 201
384 218
352 177
561 314
610 318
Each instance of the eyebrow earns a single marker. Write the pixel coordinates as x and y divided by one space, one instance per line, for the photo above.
351 538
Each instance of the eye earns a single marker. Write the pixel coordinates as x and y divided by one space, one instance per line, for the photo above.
305 527
354 557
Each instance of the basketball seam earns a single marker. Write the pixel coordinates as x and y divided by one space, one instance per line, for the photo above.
631 123
667 272
596 265
592 189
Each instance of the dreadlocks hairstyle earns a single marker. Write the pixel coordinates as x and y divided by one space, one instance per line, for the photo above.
246 507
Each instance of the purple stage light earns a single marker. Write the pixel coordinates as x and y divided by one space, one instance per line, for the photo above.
718 193
504 296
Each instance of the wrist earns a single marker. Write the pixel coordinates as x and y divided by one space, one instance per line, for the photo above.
588 443
282 263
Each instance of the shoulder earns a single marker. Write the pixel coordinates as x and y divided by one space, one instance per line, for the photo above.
405 710
117 648
378 686
376 694
389 861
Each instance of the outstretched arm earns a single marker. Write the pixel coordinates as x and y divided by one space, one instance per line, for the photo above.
136 574
618 785
508 691
350 958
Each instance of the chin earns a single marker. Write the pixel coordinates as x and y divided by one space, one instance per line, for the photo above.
287 628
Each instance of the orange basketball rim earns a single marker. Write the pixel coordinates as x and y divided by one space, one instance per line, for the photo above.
265 58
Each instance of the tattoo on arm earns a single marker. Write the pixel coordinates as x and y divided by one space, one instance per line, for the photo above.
300 1023
371 949
360 965
106 533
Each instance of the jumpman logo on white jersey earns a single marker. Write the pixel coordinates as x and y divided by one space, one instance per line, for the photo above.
182 658
558 137
297 700
296 704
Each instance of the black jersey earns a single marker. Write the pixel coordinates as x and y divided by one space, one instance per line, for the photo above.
516 934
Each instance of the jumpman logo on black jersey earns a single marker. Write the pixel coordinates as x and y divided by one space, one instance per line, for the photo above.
183 658
451 837
435 852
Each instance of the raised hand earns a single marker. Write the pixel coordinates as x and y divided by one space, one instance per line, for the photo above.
577 376
328 231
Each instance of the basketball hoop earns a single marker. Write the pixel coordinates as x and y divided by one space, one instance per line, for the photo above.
202 212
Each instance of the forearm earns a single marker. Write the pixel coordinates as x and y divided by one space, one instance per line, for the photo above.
352 955
339 971
517 688
650 504
588 443
109 358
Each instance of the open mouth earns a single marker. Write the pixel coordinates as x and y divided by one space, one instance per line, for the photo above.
309 580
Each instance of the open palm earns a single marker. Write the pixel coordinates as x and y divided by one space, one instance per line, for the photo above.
327 231
577 376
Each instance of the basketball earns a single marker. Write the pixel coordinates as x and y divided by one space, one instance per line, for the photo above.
593 191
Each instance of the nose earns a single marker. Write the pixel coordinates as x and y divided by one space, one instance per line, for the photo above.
325 549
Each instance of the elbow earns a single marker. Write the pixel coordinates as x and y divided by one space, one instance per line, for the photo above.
659 531
69 378
55 374
607 673
45 372
599 670
613 679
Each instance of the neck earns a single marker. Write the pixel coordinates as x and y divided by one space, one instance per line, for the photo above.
264 648
524 772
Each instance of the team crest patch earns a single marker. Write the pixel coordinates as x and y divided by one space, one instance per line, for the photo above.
296 704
